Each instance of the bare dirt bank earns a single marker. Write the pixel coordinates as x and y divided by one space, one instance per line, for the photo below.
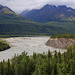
60 42
27 44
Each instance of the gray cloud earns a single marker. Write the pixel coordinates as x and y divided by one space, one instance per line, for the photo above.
20 5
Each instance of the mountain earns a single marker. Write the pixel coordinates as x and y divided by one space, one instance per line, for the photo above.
24 12
14 24
6 14
51 13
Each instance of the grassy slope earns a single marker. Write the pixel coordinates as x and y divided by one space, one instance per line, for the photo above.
36 28
63 27
14 24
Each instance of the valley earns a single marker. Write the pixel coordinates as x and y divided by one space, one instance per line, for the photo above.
29 45
15 24
37 41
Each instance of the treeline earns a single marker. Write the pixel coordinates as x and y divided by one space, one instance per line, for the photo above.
8 36
41 64
64 36
4 46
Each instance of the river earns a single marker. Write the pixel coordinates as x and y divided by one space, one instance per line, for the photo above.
27 44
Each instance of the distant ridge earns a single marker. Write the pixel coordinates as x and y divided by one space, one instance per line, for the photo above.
2 9
51 13
15 24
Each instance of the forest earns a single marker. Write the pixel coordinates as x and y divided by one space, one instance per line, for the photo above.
4 46
63 36
41 64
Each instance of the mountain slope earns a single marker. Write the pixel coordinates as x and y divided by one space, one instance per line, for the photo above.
7 14
14 24
51 13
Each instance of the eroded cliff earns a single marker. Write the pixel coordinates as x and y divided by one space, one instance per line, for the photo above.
60 42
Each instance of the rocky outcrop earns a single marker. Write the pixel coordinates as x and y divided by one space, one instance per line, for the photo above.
60 42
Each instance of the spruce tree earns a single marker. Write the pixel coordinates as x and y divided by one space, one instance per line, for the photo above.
49 54
54 70
34 55
8 68
55 56
2 69
59 57
72 69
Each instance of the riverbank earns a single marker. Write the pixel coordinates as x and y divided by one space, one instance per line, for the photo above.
62 43
27 44
61 40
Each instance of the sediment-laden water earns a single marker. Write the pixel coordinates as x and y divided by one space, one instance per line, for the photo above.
27 44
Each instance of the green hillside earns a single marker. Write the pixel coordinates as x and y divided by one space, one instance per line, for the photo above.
64 36
14 24
69 26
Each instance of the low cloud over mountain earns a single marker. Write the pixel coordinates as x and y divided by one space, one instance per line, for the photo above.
20 5
51 13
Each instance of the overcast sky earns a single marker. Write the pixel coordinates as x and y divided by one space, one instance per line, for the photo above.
20 5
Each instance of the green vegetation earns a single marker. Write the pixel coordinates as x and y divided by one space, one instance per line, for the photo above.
28 28
64 36
40 64
14 24
4 46
64 27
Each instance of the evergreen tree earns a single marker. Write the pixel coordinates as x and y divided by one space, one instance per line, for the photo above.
49 54
34 55
72 69
2 69
55 56
59 57
8 68
54 70
64 57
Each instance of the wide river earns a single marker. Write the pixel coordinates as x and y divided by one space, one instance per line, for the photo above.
27 44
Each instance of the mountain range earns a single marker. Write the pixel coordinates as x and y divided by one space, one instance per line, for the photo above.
15 24
50 13
12 23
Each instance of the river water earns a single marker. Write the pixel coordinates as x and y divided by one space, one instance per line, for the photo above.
27 44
